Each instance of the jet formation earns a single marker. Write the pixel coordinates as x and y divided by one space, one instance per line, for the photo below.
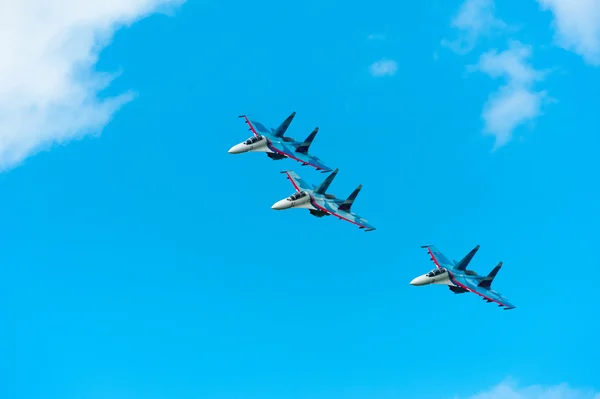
277 146
319 203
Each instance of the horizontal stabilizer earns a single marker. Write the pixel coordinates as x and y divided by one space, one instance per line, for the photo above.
486 282
464 262
303 148
347 204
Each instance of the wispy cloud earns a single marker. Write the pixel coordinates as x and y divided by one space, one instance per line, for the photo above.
474 19
516 102
510 390
577 25
48 85
383 67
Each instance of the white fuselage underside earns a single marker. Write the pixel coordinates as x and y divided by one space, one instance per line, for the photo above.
442 279
259 146
302 203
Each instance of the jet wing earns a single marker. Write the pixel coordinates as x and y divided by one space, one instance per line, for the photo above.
306 159
439 258
253 128
287 150
297 182
333 209
488 295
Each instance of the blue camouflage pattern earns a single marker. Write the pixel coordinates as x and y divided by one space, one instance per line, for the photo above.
287 147
326 203
468 281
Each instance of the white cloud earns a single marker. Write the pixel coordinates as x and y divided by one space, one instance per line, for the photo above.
474 19
509 390
577 25
383 67
516 102
48 85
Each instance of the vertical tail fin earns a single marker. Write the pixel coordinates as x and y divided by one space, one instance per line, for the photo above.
347 204
303 148
486 282
280 131
464 262
322 188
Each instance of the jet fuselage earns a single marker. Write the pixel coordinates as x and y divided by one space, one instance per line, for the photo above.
253 144
300 200
436 276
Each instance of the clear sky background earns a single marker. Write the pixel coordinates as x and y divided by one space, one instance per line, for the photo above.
145 262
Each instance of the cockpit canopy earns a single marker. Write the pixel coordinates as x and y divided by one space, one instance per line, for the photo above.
253 140
297 196
436 272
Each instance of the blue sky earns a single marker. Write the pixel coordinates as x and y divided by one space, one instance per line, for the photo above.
143 261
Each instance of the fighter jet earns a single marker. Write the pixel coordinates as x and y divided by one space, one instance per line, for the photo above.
460 280
277 146
319 203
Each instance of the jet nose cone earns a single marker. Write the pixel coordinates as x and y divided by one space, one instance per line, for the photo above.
236 149
280 205
421 280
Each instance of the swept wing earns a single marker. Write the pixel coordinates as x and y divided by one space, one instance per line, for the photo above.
333 208
253 128
298 183
488 295
438 258
289 151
